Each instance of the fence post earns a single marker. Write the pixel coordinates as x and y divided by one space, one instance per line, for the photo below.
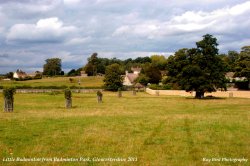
68 99
8 94
99 96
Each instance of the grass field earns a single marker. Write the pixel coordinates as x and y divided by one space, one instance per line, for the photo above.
85 82
157 131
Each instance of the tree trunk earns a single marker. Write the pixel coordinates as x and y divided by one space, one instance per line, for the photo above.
119 94
199 95
68 103
8 105
99 99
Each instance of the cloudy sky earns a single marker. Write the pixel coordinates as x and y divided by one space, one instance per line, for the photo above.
34 30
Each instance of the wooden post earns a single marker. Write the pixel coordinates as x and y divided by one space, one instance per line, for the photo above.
119 93
68 99
134 92
68 103
8 94
99 96
157 92
8 105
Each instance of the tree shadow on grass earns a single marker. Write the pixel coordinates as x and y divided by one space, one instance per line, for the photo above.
210 97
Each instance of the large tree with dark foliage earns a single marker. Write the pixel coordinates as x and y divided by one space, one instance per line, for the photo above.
151 72
113 79
52 67
91 67
242 67
199 69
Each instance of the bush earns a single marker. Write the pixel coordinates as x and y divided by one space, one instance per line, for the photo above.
142 79
99 93
9 92
67 93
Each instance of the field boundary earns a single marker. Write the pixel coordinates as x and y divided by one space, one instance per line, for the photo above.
242 94
53 90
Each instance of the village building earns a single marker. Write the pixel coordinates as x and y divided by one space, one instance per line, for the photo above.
129 78
84 74
231 78
235 83
19 74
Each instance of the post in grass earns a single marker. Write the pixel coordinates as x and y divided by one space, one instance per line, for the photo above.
134 92
119 92
68 98
99 96
8 94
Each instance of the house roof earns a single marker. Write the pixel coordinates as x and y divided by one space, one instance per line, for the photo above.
132 77
20 73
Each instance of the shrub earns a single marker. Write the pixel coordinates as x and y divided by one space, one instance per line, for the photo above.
9 92
67 93
99 96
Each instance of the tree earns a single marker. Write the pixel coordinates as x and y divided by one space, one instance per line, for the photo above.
91 67
230 60
199 69
142 79
52 67
142 60
159 61
152 73
113 79
243 63
9 75
175 65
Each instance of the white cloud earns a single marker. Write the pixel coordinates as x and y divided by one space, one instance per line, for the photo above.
114 28
29 8
71 2
217 21
240 9
78 41
45 30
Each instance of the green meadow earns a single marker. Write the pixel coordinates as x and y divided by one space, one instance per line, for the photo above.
145 129
85 82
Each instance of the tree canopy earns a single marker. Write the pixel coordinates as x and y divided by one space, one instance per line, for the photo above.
198 69
113 79
52 67
242 67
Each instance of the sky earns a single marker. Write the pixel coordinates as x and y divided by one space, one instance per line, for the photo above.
32 31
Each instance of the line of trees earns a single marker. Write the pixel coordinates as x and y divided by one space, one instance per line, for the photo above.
201 69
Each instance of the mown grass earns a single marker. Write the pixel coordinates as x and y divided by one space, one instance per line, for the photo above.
158 131
85 82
